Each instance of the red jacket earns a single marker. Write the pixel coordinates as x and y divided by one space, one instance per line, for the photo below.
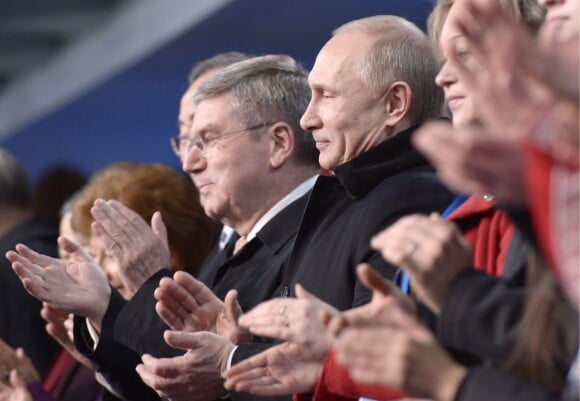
488 230
553 191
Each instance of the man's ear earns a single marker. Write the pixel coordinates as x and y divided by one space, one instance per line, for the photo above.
397 102
282 143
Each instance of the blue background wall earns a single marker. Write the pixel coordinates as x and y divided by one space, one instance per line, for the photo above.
132 116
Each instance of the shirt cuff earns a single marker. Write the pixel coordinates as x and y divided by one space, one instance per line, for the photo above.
93 333
231 357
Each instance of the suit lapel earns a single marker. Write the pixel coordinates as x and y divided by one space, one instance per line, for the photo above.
327 195
275 234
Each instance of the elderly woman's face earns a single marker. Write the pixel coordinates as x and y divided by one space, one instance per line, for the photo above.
456 95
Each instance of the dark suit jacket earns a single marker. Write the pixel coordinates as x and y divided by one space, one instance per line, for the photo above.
20 321
255 272
133 328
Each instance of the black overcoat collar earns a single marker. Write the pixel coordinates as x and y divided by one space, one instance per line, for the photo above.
361 174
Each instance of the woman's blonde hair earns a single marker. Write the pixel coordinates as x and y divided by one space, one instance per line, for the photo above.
526 11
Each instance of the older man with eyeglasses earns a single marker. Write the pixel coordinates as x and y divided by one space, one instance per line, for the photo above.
253 166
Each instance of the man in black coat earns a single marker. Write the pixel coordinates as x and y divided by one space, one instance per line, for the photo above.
371 85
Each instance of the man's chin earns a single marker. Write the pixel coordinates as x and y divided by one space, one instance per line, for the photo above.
213 214
326 160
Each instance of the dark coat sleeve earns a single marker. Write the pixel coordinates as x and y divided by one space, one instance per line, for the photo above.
113 360
480 315
138 326
484 384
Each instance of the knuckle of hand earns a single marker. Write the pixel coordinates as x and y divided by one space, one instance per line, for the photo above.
160 384
117 237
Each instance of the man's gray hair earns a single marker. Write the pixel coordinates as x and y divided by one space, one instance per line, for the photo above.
266 90
401 52
15 190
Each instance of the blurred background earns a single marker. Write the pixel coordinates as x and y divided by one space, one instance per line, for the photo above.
84 83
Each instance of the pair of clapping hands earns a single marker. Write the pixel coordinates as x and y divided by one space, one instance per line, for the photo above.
380 343
79 285
309 327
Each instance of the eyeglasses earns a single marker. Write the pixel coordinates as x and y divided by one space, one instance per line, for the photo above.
183 144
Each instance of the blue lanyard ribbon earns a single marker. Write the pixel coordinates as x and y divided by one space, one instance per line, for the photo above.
402 278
